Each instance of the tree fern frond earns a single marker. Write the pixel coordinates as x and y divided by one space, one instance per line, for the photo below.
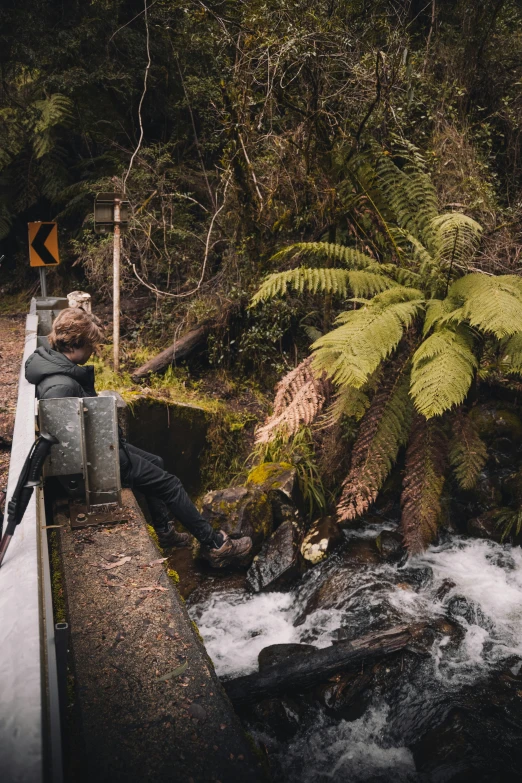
312 332
405 277
324 279
436 312
54 110
348 256
511 361
300 396
492 303
410 194
422 485
383 430
353 351
442 370
456 238
467 451
349 402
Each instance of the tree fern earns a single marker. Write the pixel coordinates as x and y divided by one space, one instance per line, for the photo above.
467 451
420 288
442 371
422 485
383 430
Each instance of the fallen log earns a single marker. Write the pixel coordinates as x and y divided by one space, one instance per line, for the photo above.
176 352
303 671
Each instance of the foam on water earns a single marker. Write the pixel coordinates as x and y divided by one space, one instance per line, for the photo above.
236 627
342 751
482 583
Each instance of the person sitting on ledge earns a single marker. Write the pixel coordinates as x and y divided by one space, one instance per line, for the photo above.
60 371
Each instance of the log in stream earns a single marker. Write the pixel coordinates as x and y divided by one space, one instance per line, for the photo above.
307 670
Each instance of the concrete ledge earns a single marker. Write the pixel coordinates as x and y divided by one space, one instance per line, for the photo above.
130 628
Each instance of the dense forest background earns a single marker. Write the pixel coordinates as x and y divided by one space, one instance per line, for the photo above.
248 115
233 128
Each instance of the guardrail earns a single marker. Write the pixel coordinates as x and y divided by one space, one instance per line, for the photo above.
30 731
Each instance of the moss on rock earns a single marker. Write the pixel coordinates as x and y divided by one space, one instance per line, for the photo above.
268 472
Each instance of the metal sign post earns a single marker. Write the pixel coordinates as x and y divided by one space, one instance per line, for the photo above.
111 212
43 282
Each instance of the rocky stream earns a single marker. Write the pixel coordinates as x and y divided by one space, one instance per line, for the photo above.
446 706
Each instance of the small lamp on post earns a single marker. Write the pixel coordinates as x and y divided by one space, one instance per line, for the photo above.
111 212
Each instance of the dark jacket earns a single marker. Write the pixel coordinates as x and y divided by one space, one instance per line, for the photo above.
54 375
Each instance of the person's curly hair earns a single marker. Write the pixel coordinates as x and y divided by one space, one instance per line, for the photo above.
75 328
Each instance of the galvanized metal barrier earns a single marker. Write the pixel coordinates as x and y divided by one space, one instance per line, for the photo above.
33 651
30 734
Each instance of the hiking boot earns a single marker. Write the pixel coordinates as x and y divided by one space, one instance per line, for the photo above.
170 537
232 552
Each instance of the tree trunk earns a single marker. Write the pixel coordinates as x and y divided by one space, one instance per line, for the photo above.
180 350
303 671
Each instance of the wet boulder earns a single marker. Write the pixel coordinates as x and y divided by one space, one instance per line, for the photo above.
277 564
279 718
265 502
495 422
347 697
324 536
390 545
486 526
240 511
278 480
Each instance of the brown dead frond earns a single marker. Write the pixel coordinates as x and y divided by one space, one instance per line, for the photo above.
300 396
423 484
384 429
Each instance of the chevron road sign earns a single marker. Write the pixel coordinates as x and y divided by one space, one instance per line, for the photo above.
43 244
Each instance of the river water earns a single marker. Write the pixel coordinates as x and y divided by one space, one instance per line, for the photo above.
449 715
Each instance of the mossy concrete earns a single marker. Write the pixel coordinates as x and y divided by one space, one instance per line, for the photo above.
145 716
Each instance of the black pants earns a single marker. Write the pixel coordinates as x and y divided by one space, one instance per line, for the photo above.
164 492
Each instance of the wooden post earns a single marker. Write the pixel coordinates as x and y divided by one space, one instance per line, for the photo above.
116 286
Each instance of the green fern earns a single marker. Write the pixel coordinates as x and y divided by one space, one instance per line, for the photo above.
443 368
349 402
325 279
353 351
511 361
52 111
455 238
349 257
509 520
490 303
